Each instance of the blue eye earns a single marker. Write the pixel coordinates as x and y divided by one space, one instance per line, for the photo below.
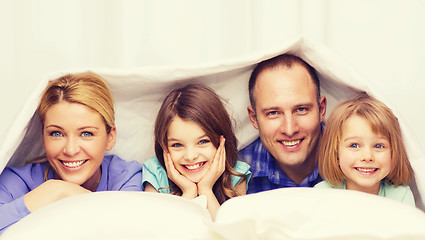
176 145
272 113
354 145
86 134
56 134
379 146
204 141
302 111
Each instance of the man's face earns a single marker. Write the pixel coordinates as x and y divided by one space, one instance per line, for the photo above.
287 115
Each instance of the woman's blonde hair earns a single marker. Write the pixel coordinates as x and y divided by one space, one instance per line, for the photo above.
382 120
87 89
83 88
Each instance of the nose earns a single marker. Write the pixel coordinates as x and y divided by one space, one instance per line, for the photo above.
71 146
191 154
367 155
289 125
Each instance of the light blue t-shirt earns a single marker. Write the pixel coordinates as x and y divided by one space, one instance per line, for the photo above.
401 193
155 174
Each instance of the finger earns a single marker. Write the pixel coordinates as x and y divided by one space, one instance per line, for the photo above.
167 160
219 165
222 162
222 141
223 155
223 150
217 154
171 169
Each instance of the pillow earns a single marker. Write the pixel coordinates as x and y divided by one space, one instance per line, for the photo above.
307 213
114 215
291 213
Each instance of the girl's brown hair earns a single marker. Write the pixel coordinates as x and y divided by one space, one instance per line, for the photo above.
200 104
382 120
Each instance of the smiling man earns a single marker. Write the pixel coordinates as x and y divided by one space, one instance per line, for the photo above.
287 110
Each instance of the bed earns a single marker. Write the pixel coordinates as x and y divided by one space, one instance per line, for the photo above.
138 94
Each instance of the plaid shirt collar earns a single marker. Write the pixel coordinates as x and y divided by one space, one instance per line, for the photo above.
263 164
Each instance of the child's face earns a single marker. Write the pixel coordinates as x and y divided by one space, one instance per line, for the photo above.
191 149
364 156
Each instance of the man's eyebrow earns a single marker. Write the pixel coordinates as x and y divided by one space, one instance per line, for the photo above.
304 105
268 109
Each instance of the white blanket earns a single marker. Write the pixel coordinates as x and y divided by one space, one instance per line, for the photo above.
286 213
138 94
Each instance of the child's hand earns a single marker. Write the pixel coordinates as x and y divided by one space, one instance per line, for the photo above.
216 169
189 188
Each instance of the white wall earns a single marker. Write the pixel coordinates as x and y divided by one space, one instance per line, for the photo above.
382 39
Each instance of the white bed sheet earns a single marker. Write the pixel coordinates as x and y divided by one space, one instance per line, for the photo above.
292 214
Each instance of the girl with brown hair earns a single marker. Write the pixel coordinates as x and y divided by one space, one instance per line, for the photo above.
196 149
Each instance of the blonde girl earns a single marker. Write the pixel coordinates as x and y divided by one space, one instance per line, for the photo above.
362 149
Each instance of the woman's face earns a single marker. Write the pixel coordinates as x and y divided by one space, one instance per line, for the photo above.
75 141
191 149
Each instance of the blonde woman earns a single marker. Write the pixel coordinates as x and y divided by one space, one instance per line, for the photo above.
78 126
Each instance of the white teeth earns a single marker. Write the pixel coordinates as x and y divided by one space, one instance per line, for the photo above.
73 164
290 143
366 169
192 167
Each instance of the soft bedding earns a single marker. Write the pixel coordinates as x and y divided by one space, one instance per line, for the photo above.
326 214
138 94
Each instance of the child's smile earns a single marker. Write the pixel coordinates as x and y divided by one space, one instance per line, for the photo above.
367 171
191 149
195 167
364 156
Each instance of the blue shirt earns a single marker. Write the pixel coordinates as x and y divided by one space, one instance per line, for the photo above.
266 174
15 182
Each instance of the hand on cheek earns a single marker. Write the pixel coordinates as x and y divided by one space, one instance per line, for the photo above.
215 170
189 188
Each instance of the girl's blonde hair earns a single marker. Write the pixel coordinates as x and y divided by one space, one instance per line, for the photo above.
200 104
382 120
